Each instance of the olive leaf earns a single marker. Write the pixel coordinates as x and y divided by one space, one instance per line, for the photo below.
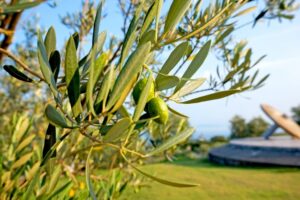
97 24
131 35
17 7
106 86
180 51
176 112
76 39
56 118
128 74
195 64
118 130
175 14
150 15
143 99
166 82
73 77
164 181
189 87
94 73
210 97
158 10
50 140
45 67
149 36
88 175
50 41
172 141
14 72
54 62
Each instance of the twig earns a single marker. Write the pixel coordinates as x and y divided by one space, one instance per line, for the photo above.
22 64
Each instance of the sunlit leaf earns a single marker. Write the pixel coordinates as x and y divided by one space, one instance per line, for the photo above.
166 82
245 11
50 41
130 70
174 140
178 53
195 64
73 77
54 178
17 7
45 67
189 87
149 36
210 97
14 72
21 161
94 73
143 99
149 17
175 14
177 113
88 175
97 23
118 130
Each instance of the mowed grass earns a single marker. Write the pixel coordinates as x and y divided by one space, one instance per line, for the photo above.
219 182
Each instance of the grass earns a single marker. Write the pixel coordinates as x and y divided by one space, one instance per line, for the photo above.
219 182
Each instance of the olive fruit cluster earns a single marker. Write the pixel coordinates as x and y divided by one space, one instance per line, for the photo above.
155 106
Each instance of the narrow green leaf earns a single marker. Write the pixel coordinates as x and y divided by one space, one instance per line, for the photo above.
54 62
76 39
195 64
19 7
94 73
149 17
259 84
128 73
222 36
131 35
45 67
73 78
54 178
24 143
21 161
87 176
55 118
14 72
50 140
143 99
50 41
213 96
158 10
29 190
60 190
118 130
172 141
188 88
166 82
149 36
178 53
164 181
177 113
175 14
97 23
106 86
245 11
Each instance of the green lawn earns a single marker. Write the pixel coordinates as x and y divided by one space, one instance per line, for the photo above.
217 182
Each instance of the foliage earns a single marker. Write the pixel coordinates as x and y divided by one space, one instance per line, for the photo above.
240 128
92 121
296 113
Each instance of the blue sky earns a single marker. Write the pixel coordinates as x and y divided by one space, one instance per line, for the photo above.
280 41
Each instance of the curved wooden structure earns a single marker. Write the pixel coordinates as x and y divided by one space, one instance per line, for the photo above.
283 121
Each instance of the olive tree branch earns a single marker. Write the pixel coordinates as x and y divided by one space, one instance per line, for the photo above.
22 64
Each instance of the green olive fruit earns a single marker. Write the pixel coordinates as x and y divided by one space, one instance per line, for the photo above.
157 107
137 90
